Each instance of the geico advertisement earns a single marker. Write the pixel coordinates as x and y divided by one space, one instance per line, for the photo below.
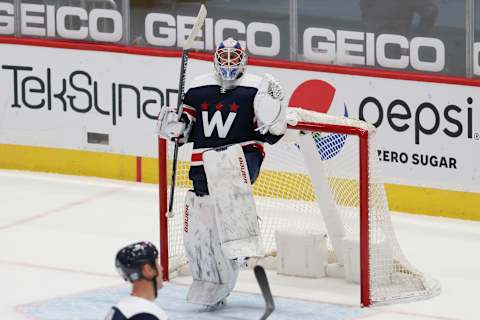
428 134
345 47
56 97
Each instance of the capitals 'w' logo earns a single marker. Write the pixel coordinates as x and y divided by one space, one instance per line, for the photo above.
217 122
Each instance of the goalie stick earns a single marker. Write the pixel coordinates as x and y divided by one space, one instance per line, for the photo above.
265 288
202 14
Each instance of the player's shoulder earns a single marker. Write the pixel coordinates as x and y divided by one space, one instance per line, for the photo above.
211 79
115 314
250 80
208 79
135 308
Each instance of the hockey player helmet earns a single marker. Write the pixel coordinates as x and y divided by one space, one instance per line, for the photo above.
230 60
130 260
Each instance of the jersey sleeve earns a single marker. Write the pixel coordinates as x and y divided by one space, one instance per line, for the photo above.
189 107
188 117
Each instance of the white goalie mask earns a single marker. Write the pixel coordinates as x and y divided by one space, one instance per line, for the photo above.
230 61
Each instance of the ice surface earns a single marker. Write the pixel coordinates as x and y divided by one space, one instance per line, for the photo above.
59 235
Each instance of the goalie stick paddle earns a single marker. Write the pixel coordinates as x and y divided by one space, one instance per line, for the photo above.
202 14
265 288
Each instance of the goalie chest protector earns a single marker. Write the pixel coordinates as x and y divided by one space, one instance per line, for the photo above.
223 118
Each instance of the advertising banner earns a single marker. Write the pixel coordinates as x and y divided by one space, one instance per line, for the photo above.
423 36
428 133
56 97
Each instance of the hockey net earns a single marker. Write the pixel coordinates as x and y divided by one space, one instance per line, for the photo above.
324 176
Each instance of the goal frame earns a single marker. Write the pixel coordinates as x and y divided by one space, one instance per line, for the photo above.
362 135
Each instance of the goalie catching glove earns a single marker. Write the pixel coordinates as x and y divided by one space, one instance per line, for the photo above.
170 128
270 107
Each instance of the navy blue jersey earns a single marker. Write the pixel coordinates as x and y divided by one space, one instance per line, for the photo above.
221 119
136 308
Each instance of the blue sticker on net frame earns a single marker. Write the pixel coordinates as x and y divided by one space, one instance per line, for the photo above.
95 305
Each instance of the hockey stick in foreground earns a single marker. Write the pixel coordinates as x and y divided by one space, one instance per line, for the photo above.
202 14
265 288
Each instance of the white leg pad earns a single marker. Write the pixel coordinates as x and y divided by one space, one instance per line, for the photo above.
213 274
207 293
231 191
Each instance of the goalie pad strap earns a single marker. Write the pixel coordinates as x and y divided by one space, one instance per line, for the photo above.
197 154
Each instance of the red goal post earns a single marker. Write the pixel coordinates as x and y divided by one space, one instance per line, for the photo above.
351 170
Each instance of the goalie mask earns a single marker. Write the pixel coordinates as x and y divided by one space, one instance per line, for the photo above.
131 259
230 61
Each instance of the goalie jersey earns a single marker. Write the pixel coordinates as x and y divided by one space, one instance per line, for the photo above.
220 119
136 308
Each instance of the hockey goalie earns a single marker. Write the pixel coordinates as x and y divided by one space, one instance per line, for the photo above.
227 115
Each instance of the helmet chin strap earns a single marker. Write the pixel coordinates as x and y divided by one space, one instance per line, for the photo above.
154 280
155 289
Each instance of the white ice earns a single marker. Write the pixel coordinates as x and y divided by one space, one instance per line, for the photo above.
59 235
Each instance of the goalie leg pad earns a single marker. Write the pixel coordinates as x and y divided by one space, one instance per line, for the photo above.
207 293
214 276
231 191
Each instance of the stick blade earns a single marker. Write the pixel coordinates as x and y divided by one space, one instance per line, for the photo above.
262 280
201 16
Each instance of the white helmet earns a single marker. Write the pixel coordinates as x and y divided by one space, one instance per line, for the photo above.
230 60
